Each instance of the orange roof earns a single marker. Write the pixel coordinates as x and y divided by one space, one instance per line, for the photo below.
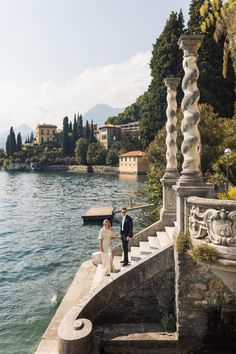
133 153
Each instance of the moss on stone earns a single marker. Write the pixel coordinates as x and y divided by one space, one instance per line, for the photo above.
183 242
204 253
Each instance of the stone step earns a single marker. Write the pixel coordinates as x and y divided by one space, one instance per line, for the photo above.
139 338
163 238
98 277
170 230
135 254
144 248
153 242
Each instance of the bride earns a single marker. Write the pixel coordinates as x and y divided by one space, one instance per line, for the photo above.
105 238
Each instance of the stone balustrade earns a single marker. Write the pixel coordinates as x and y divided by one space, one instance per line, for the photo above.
214 221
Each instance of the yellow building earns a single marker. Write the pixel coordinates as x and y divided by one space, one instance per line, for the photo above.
132 162
46 133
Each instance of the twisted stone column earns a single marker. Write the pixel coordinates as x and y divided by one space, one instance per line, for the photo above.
168 212
171 166
190 45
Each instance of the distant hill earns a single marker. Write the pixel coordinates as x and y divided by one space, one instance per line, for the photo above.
100 113
24 129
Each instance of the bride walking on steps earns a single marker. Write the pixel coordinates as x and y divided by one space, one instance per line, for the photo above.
105 238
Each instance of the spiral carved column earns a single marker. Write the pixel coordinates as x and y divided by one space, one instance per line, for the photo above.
190 174
168 212
171 166
190 183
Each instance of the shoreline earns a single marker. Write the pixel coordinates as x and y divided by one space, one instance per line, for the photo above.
25 167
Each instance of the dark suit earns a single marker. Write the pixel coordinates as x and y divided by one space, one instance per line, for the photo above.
127 231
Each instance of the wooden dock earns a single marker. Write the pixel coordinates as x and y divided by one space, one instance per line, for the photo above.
98 214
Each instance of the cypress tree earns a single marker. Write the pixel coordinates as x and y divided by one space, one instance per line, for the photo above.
87 131
12 147
74 133
214 88
65 137
166 61
7 144
31 139
19 141
92 138
80 126
70 127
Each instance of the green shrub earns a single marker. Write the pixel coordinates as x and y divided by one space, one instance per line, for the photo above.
204 253
183 242
168 321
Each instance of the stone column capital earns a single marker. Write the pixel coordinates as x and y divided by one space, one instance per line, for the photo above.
172 82
190 43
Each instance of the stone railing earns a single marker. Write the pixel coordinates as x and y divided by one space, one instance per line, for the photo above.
214 221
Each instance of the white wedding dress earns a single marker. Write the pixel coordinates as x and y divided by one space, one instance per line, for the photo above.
106 236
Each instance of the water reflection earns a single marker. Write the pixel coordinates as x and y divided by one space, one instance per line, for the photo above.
131 177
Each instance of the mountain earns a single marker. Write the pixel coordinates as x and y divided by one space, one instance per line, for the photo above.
24 129
100 113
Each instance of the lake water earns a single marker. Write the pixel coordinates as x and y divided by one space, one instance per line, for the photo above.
43 241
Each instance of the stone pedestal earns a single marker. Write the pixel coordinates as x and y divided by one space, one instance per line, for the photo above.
205 190
168 211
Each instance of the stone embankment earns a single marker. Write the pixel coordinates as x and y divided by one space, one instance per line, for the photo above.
22 166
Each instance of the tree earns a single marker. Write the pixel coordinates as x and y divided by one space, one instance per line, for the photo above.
166 61
19 141
222 15
75 134
87 131
2 153
131 113
81 151
31 139
130 141
65 137
112 158
11 146
80 126
92 138
211 82
96 154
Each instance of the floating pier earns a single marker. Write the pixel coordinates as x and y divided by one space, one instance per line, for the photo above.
98 214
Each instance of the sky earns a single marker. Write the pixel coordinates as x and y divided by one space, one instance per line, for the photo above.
60 57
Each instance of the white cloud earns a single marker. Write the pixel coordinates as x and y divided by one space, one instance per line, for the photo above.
117 85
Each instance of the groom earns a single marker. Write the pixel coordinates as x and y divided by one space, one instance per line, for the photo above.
126 232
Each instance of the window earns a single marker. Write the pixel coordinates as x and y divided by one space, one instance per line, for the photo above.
104 136
42 131
41 139
48 132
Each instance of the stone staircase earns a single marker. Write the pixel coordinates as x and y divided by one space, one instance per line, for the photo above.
137 253
142 337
